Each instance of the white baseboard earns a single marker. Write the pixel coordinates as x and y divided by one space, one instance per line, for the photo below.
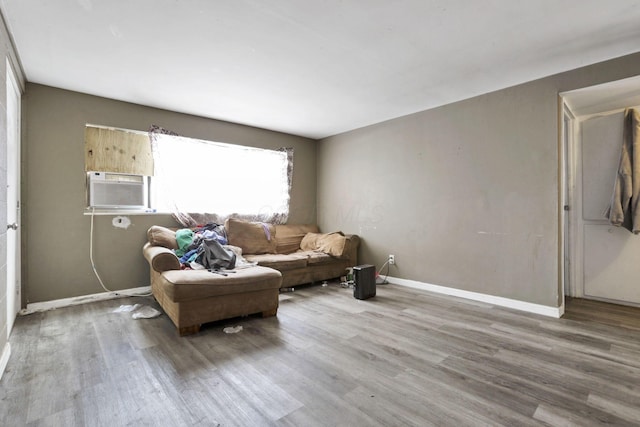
476 296
67 302
4 359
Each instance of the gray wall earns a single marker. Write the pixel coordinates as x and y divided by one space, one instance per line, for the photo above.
464 195
56 231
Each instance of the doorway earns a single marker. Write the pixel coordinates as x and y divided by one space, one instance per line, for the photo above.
601 260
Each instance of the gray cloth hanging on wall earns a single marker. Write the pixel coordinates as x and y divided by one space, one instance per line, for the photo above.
624 209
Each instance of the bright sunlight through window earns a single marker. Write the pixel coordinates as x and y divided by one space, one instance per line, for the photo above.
198 176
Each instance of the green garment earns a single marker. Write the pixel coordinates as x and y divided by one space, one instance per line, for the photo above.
184 238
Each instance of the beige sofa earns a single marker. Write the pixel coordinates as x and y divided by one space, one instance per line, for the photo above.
300 252
287 256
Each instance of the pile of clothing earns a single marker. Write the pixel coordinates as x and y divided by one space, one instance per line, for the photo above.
205 247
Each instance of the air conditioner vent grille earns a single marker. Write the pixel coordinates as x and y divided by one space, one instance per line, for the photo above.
117 191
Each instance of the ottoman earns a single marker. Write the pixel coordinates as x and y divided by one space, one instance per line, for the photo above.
193 297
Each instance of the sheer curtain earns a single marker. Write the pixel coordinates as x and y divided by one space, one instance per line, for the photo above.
203 181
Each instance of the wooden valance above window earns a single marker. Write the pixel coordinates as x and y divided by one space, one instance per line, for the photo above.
117 151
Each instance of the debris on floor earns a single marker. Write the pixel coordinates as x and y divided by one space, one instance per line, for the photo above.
138 311
232 329
126 308
145 312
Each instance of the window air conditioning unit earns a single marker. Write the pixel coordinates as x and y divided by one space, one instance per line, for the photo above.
117 191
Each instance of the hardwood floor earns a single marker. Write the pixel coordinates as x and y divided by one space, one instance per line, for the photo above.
406 357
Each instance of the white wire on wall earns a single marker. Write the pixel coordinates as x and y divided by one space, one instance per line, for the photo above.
384 281
95 271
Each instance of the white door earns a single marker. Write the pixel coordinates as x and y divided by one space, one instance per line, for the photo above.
13 198
608 257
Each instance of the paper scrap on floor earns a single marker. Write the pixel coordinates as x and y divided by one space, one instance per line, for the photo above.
145 312
126 308
138 311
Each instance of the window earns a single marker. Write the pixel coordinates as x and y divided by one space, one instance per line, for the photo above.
117 163
196 176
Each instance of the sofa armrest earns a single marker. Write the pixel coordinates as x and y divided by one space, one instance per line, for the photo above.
352 242
160 258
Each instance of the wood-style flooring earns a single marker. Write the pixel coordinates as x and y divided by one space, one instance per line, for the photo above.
404 358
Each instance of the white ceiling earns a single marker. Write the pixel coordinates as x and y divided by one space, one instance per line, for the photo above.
313 68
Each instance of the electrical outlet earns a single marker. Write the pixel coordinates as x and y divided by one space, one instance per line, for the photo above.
392 259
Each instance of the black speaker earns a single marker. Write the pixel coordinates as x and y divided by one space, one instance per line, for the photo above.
364 277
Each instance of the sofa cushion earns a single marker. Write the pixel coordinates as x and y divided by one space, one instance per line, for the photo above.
331 243
280 262
235 249
185 285
288 237
316 257
162 236
252 237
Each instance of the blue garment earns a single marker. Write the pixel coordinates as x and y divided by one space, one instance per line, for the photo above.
211 234
186 258
218 234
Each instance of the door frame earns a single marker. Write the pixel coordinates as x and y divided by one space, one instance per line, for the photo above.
581 104
570 203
